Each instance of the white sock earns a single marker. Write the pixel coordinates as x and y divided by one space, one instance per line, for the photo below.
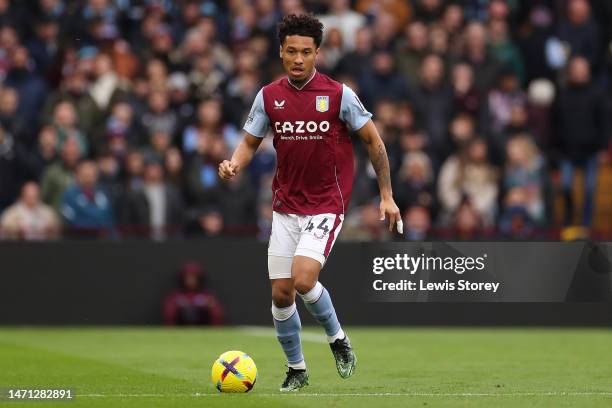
299 366
339 335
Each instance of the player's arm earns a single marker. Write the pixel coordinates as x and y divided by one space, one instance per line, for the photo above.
378 156
255 130
241 158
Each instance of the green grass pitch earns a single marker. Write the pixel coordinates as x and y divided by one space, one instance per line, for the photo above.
397 367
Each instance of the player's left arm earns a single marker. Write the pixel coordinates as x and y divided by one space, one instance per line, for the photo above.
378 156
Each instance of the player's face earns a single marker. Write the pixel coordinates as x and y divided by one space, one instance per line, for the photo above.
299 54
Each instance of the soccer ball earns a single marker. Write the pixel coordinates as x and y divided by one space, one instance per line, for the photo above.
234 371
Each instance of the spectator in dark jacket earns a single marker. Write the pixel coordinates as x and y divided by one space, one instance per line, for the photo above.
30 87
86 209
581 134
581 32
433 102
193 303
382 82
156 209
9 184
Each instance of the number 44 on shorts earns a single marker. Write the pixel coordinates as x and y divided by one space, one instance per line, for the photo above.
322 226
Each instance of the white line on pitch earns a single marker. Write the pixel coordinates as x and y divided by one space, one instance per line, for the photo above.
373 394
269 332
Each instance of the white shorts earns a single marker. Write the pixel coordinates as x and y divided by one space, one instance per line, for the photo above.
305 235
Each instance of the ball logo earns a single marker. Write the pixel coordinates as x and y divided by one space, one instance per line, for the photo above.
300 126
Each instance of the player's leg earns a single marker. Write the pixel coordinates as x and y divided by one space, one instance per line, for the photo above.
283 241
316 241
288 326
305 272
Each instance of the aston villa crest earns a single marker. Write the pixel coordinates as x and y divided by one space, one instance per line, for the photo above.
322 103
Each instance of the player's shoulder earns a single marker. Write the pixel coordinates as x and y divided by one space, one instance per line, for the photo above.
276 84
324 80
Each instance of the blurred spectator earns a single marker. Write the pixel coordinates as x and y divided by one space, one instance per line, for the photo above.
29 218
468 177
502 99
541 95
263 164
30 87
65 125
173 167
515 220
417 223
462 132
466 97
433 102
357 62
44 47
193 303
85 208
507 115
109 177
415 182
156 209
331 51
72 89
388 15
104 89
477 54
58 176
580 120
504 50
13 122
533 38
134 169
9 183
159 143
580 32
467 223
41 156
411 50
159 118
205 75
363 224
202 181
525 170
206 222
382 82
210 120
180 99
237 200
428 11
121 131
341 17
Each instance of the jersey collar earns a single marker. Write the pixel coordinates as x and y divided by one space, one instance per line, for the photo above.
314 72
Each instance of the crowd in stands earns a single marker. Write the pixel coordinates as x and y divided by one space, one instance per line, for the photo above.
115 114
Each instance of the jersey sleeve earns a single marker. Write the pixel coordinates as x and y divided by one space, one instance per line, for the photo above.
352 111
257 122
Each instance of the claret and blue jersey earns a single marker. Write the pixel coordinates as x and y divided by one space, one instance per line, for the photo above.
311 127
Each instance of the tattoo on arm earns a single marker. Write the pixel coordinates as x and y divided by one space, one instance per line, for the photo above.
380 162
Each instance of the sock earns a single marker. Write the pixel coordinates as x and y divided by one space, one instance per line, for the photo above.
319 304
298 366
288 326
339 335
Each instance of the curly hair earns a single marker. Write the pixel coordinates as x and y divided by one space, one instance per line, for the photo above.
305 25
